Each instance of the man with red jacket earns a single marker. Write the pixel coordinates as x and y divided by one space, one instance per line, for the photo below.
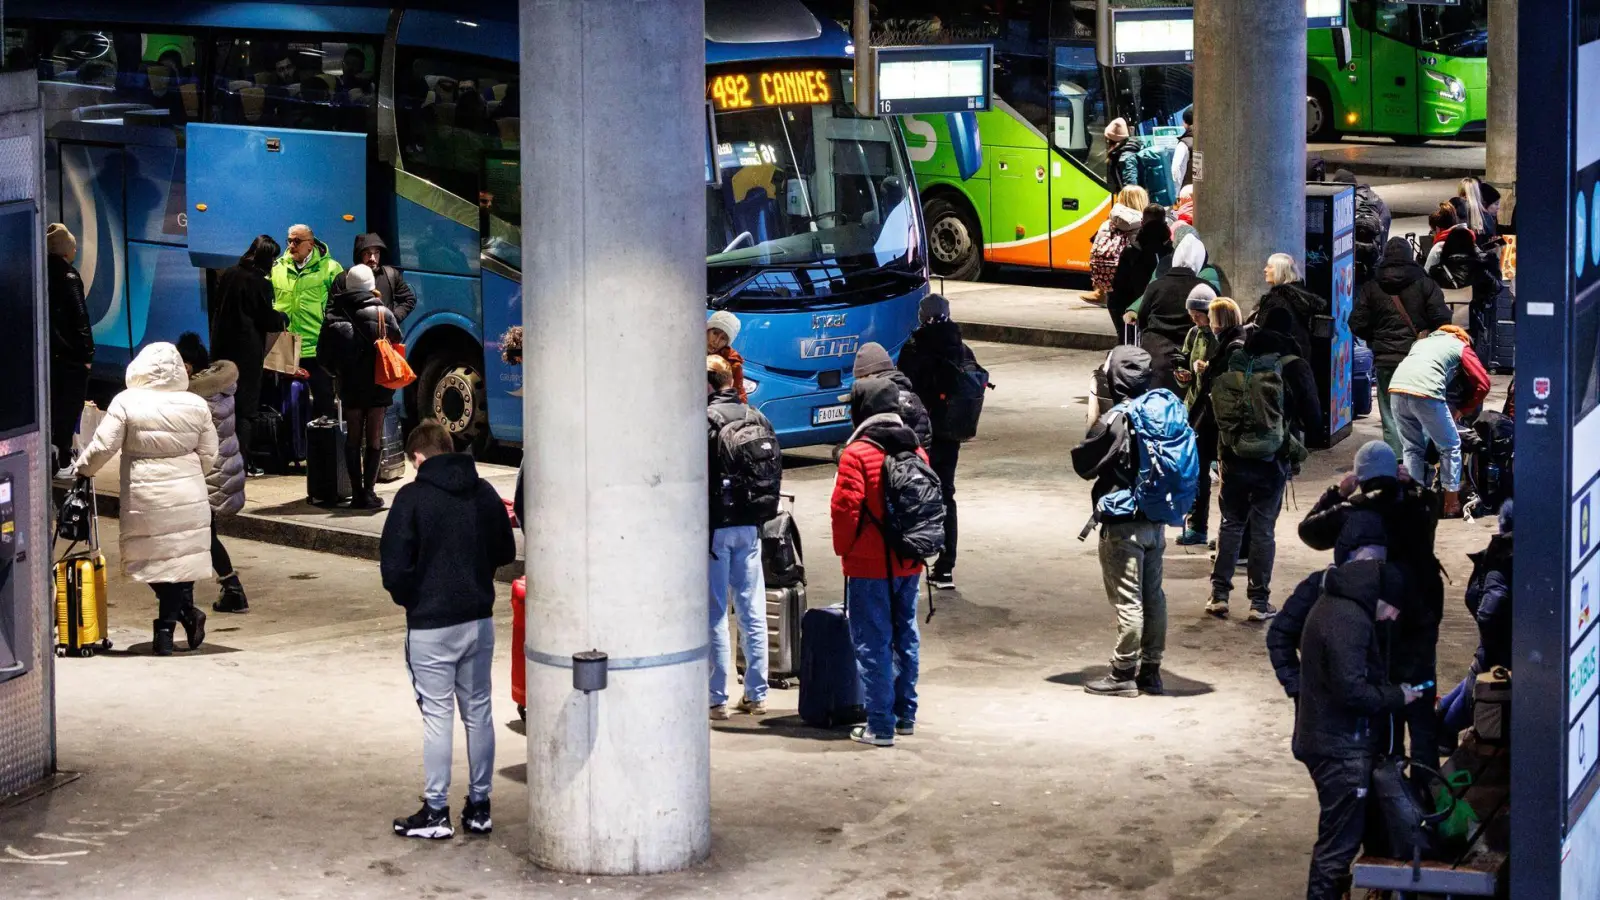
880 588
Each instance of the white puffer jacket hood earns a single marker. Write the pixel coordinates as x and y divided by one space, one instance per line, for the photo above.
167 443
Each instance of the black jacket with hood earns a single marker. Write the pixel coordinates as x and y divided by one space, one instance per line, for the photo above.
931 359
911 410
1375 317
1105 453
446 534
1343 685
391 284
1301 303
347 346
1165 309
1489 601
1137 264
71 332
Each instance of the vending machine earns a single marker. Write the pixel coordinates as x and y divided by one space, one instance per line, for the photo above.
1331 274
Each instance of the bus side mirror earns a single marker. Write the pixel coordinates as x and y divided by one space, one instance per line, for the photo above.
1343 51
966 144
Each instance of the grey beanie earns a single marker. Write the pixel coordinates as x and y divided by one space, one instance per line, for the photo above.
933 308
1376 459
1200 298
872 359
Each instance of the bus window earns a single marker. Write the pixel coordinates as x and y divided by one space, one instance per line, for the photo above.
451 111
1150 97
113 77
1021 81
1396 20
500 205
1457 30
287 82
1079 120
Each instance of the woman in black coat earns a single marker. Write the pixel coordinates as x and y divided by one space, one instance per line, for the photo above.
1287 290
240 324
1137 264
356 320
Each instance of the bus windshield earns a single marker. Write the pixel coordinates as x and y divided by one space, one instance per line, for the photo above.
805 186
1457 30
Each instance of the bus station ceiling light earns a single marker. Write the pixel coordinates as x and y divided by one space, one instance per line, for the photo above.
466 23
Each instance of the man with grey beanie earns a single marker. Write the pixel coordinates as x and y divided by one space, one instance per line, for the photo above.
932 359
872 361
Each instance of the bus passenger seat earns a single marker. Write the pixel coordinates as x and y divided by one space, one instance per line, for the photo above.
190 92
757 213
253 101
510 132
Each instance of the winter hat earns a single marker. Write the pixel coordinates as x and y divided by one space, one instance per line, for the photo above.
1200 298
1506 516
1117 131
933 308
1376 459
1488 193
725 322
360 280
872 359
59 241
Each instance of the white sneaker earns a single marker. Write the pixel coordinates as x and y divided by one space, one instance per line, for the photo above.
861 735
65 474
1218 608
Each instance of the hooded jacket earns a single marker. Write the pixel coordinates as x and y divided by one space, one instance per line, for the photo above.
243 318
1137 265
1489 601
931 359
1122 164
168 444
354 323
218 386
1343 685
302 294
858 488
912 412
71 332
1300 303
391 284
1164 309
1283 635
446 534
1377 319
1105 452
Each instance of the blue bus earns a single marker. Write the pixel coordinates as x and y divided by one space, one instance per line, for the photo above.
178 131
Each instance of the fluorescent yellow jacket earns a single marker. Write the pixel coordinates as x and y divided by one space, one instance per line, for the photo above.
303 294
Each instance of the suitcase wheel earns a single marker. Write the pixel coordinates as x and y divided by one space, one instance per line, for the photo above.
61 651
105 644
522 712
782 684
85 652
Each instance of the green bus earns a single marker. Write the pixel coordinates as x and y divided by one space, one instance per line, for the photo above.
1041 193
1408 71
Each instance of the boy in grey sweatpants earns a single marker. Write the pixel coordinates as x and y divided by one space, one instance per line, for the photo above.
446 534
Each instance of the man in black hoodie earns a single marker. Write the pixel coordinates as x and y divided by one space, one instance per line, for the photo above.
932 359
446 535
1343 688
1393 309
390 283
71 342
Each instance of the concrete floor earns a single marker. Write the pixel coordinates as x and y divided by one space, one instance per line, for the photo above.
270 763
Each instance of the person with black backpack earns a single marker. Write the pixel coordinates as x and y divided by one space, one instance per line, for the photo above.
946 376
873 361
1146 466
1265 405
888 516
745 474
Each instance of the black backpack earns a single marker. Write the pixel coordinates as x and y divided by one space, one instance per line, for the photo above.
752 466
1459 262
913 507
964 401
782 562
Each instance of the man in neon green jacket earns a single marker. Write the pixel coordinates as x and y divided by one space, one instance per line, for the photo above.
301 279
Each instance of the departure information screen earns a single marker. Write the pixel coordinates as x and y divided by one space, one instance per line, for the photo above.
922 80
730 91
1324 13
1152 37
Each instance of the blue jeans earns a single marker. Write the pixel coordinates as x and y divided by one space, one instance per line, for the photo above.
1423 419
1455 710
451 667
736 563
883 626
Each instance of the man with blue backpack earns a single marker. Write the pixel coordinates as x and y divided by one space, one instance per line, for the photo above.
1145 464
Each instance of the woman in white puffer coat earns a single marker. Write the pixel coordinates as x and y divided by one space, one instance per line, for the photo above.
168 444
218 384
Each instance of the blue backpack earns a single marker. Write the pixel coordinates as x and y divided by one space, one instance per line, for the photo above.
1168 457
1155 174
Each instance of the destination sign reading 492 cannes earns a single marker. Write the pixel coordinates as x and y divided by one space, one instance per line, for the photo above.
729 91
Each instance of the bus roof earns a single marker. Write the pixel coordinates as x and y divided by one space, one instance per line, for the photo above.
736 31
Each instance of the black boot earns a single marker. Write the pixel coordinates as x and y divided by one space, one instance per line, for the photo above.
1119 683
194 621
369 481
1149 679
232 599
161 643
352 464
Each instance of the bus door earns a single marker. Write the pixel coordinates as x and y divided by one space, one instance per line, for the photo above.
500 207
1018 158
1078 203
1393 78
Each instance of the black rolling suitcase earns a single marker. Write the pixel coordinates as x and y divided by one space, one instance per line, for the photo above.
327 478
830 686
1497 346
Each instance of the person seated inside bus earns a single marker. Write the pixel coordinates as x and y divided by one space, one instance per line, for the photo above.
354 82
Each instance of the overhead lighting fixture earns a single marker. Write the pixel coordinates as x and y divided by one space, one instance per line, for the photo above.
466 23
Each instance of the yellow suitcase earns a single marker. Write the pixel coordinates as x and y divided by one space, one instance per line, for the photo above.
81 605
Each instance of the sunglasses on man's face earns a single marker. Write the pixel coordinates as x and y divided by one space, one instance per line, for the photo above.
294 241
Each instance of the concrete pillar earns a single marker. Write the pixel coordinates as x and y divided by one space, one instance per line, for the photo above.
1502 139
1250 135
613 302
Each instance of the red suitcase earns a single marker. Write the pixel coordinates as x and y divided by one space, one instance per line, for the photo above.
519 662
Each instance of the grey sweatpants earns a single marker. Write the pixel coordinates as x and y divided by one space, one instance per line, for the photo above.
452 665
1131 567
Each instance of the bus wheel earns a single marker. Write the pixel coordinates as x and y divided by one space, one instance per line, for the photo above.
452 391
954 240
1409 140
1319 114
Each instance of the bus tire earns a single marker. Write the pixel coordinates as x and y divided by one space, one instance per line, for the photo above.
955 241
1410 140
450 389
1320 125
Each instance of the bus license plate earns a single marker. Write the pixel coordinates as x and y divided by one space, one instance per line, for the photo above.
829 415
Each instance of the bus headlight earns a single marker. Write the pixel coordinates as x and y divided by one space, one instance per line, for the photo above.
1449 87
750 387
